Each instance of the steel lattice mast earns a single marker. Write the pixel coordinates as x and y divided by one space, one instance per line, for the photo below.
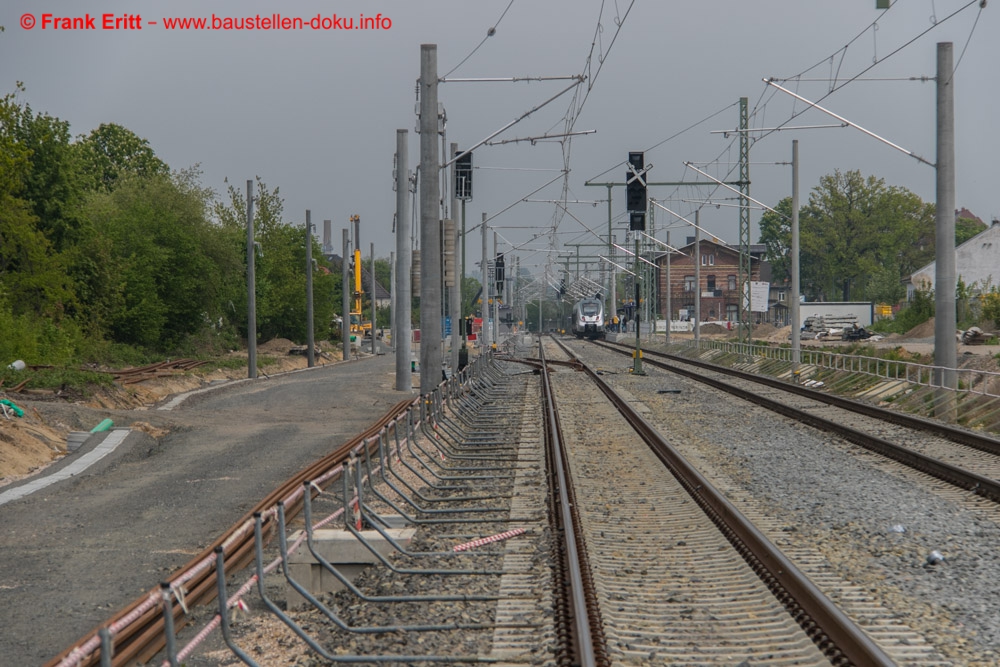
745 322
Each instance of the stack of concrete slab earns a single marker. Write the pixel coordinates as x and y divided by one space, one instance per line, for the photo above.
827 326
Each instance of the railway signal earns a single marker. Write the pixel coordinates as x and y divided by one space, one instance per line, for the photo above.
463 176
635 191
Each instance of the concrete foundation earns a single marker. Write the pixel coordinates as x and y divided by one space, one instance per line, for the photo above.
342 550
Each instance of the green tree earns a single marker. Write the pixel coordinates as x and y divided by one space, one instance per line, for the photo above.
53 183
111 152
471 293
966 228
776 235
32 273
279 268
884 285
168 267
854 227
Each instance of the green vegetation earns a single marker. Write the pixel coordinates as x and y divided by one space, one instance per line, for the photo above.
991 306
919 310
83 381
858 238
110 257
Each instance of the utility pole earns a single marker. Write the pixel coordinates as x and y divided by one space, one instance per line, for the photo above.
461 273
945 352
613 293
697 278
670 311
392 296
310 334
485 310
430 234
454 293
496 300
402 286
793 309
345 302
251 289
637 363
371 299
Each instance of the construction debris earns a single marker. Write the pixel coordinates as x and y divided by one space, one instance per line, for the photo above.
830 327
975 336
161 369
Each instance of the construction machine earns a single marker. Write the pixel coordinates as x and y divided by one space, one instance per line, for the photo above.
358 326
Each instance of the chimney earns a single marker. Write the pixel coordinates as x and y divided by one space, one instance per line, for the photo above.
327 225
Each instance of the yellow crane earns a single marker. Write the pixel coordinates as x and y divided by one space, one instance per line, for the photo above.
358 327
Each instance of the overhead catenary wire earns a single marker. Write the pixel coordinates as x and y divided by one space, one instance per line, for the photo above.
875 62
489 33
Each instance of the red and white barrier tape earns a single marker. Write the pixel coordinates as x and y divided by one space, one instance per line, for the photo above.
488 540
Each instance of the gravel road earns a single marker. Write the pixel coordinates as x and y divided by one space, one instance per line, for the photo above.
76 551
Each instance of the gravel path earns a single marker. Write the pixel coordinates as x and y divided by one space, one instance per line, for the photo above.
79 550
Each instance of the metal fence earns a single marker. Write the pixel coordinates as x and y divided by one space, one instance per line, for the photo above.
962 380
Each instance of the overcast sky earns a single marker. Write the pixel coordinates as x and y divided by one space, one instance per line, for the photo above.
315 112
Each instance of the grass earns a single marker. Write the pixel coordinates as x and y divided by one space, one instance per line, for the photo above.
82 381
86 382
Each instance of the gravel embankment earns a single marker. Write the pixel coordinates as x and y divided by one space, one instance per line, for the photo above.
876 523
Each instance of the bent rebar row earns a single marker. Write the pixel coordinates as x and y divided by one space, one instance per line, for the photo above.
449 435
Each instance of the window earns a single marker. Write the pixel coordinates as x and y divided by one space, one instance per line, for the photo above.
781 295
732 283
688 283
708 260
711 284
731 314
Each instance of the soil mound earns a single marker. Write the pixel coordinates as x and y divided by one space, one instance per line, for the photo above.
781 335
764 330
924 330
713 329
276 346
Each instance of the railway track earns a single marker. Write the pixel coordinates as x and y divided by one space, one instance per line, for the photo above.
964 459
684 577
545 535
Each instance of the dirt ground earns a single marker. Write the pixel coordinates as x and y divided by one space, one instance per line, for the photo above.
31 442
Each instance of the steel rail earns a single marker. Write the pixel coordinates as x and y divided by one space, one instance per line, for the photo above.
954 475
961 436
586 630
145 637
831 630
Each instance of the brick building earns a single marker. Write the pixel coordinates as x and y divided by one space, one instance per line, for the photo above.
719 287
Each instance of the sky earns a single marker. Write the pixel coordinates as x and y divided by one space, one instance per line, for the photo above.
314 112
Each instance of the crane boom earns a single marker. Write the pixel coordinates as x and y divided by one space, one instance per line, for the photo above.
358 326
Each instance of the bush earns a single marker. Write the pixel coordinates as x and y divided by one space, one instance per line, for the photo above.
919 310
991 306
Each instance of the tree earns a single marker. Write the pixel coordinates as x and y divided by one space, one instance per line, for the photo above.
169 267
53 183
853 228
966 228
279 267
776 234
112 151
471 294
32 273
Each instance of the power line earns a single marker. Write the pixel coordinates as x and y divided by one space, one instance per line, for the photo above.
489 33
875 62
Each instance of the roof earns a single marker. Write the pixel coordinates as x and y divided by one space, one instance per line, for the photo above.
381 293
